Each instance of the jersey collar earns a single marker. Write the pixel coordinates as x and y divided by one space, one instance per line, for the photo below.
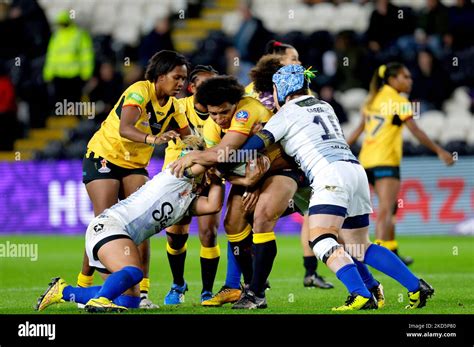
300 98
154 100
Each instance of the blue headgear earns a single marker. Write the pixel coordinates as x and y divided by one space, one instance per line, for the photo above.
289 79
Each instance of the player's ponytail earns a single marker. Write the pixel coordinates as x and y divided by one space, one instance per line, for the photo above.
380 77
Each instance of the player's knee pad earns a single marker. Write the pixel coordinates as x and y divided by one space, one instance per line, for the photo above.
135 273
177 241
324 246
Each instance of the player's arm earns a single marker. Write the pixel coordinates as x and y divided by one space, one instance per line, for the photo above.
357 132
274 130
253 173
212 203
184 131
195 170
182 120
421 136
127 129
209 157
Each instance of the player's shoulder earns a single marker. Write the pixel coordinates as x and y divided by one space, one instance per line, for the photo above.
139 91
249 108
299 103
250 91
388 92
180 105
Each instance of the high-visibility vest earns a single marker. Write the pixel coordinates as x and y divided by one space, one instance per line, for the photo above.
70 54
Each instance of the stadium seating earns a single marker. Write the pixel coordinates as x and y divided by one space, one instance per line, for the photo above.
128 20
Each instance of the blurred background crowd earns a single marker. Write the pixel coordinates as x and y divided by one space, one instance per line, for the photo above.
91 50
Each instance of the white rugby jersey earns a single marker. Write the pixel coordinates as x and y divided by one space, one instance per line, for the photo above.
309 131
161 202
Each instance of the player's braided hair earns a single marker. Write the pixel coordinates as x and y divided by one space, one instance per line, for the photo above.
217 90
380 77
162 63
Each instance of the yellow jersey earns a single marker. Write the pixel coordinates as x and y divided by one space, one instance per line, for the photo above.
250 91
384 117
154 119
248 112
196 122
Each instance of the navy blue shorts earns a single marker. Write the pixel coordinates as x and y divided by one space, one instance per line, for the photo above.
378 172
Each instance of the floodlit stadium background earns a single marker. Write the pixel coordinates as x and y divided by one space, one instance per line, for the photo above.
42 146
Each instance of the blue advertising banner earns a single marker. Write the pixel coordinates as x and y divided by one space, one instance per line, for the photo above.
49 197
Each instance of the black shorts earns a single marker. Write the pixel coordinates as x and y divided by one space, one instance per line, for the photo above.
378 172
297 175
97 168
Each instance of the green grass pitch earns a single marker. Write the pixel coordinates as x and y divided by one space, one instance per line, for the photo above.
446 262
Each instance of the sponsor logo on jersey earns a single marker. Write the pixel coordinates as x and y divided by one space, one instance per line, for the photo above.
242 116
104 168
98 228
135 96
184 193
163 215
331 188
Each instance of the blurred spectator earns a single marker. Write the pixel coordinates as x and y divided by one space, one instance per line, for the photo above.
461 25
431 85
25 34
352 68
215 50
387 23
69 60
433 26
105 89
326 93
35 30
8 116
249 41
156 40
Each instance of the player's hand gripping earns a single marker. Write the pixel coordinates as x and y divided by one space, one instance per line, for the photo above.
255 169
256 127
250 198
177 167
165 137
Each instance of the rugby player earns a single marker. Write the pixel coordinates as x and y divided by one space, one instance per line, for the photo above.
383 116
119 152
113 236
177 235
309 131
261 76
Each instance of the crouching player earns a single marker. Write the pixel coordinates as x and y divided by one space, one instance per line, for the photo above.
113 236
